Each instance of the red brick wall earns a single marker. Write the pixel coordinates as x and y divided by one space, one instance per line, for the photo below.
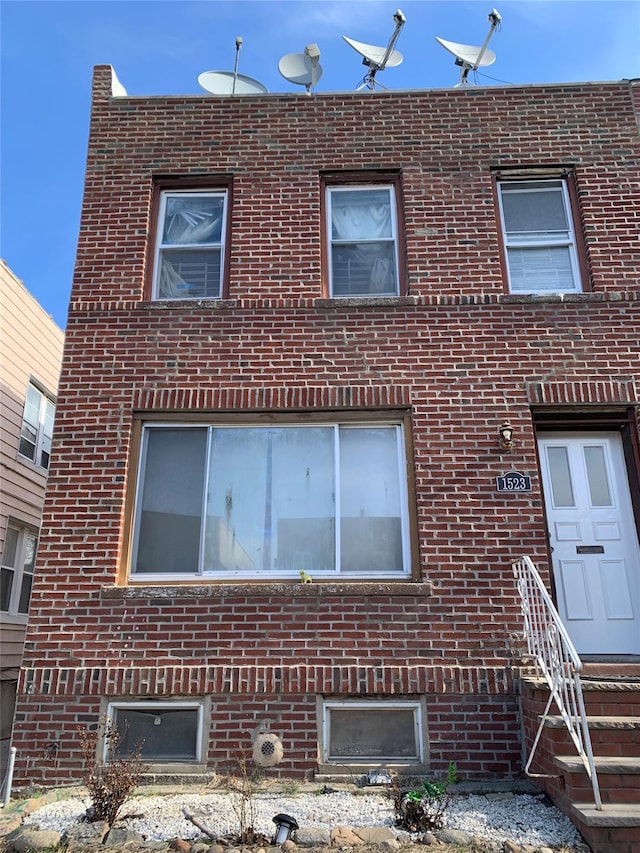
458 352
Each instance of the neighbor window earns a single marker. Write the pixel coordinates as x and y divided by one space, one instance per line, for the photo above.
372 732
539 238
189 261
227 501
37 427
362 238
16 578
164 733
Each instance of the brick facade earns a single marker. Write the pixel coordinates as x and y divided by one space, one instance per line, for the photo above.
457 353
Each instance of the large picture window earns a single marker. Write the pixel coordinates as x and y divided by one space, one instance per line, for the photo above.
37 427
249 501
362 238
189 261
539 238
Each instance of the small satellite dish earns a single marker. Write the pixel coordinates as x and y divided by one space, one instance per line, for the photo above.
377 58
230 83
304 69
469 57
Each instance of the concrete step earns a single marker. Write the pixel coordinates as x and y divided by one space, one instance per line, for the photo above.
614 814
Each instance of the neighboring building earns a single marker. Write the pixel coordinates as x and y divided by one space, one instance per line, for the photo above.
296 327
30 359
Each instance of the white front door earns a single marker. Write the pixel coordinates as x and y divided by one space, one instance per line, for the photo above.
594 541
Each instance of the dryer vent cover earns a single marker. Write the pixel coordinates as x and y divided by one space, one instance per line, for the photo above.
267 750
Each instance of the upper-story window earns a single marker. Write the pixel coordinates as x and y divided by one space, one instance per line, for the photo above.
225 501
16 574
539 236
37 427
362 239
190 245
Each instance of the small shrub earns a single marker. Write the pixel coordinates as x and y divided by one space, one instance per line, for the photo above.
421 809
110 784
242 790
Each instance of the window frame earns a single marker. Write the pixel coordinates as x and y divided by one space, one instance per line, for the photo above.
19 570
340 181
397 418
213 185
418 705
43 440
173 705
574 242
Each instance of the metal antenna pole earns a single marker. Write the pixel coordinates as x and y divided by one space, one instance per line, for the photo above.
235 67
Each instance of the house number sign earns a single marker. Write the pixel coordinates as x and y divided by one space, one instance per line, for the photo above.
514 481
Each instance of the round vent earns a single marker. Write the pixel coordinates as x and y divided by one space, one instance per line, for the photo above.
267 750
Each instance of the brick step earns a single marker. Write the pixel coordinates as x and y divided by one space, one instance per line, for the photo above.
610 736
602 698
614 829
618 778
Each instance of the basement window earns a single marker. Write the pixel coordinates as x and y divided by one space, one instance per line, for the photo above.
372 732
166 733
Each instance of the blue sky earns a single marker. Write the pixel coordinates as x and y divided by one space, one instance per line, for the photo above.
159 47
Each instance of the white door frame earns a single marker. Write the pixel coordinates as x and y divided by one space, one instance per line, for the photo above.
595 552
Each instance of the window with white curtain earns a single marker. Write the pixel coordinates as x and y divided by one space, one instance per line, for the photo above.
36 431
363 240
326 499
189 260
539 237
16 573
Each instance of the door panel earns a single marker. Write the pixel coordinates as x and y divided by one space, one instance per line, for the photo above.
594 541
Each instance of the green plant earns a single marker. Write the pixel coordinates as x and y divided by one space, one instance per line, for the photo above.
423 808
110 784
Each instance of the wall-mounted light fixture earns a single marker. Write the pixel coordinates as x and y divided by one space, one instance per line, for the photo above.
506 436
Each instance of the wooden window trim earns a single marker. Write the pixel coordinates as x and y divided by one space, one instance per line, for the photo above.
373 178
177 183
140 419
541 173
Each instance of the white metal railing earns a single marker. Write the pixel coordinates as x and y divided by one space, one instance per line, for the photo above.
556 657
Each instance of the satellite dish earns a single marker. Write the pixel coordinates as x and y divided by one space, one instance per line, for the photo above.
377 58
304 69
374 55
230 83
469 57
468 54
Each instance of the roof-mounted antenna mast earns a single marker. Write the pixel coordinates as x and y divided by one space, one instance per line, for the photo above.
377 58
469 57
235 67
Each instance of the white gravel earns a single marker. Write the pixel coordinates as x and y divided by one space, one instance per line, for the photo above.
522 818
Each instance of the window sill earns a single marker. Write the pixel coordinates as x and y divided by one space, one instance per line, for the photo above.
363 301
320 589
20 619
213 303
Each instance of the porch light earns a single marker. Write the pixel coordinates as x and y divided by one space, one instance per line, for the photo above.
285 824
506 436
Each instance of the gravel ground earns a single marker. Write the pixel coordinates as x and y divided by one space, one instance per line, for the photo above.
521 818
